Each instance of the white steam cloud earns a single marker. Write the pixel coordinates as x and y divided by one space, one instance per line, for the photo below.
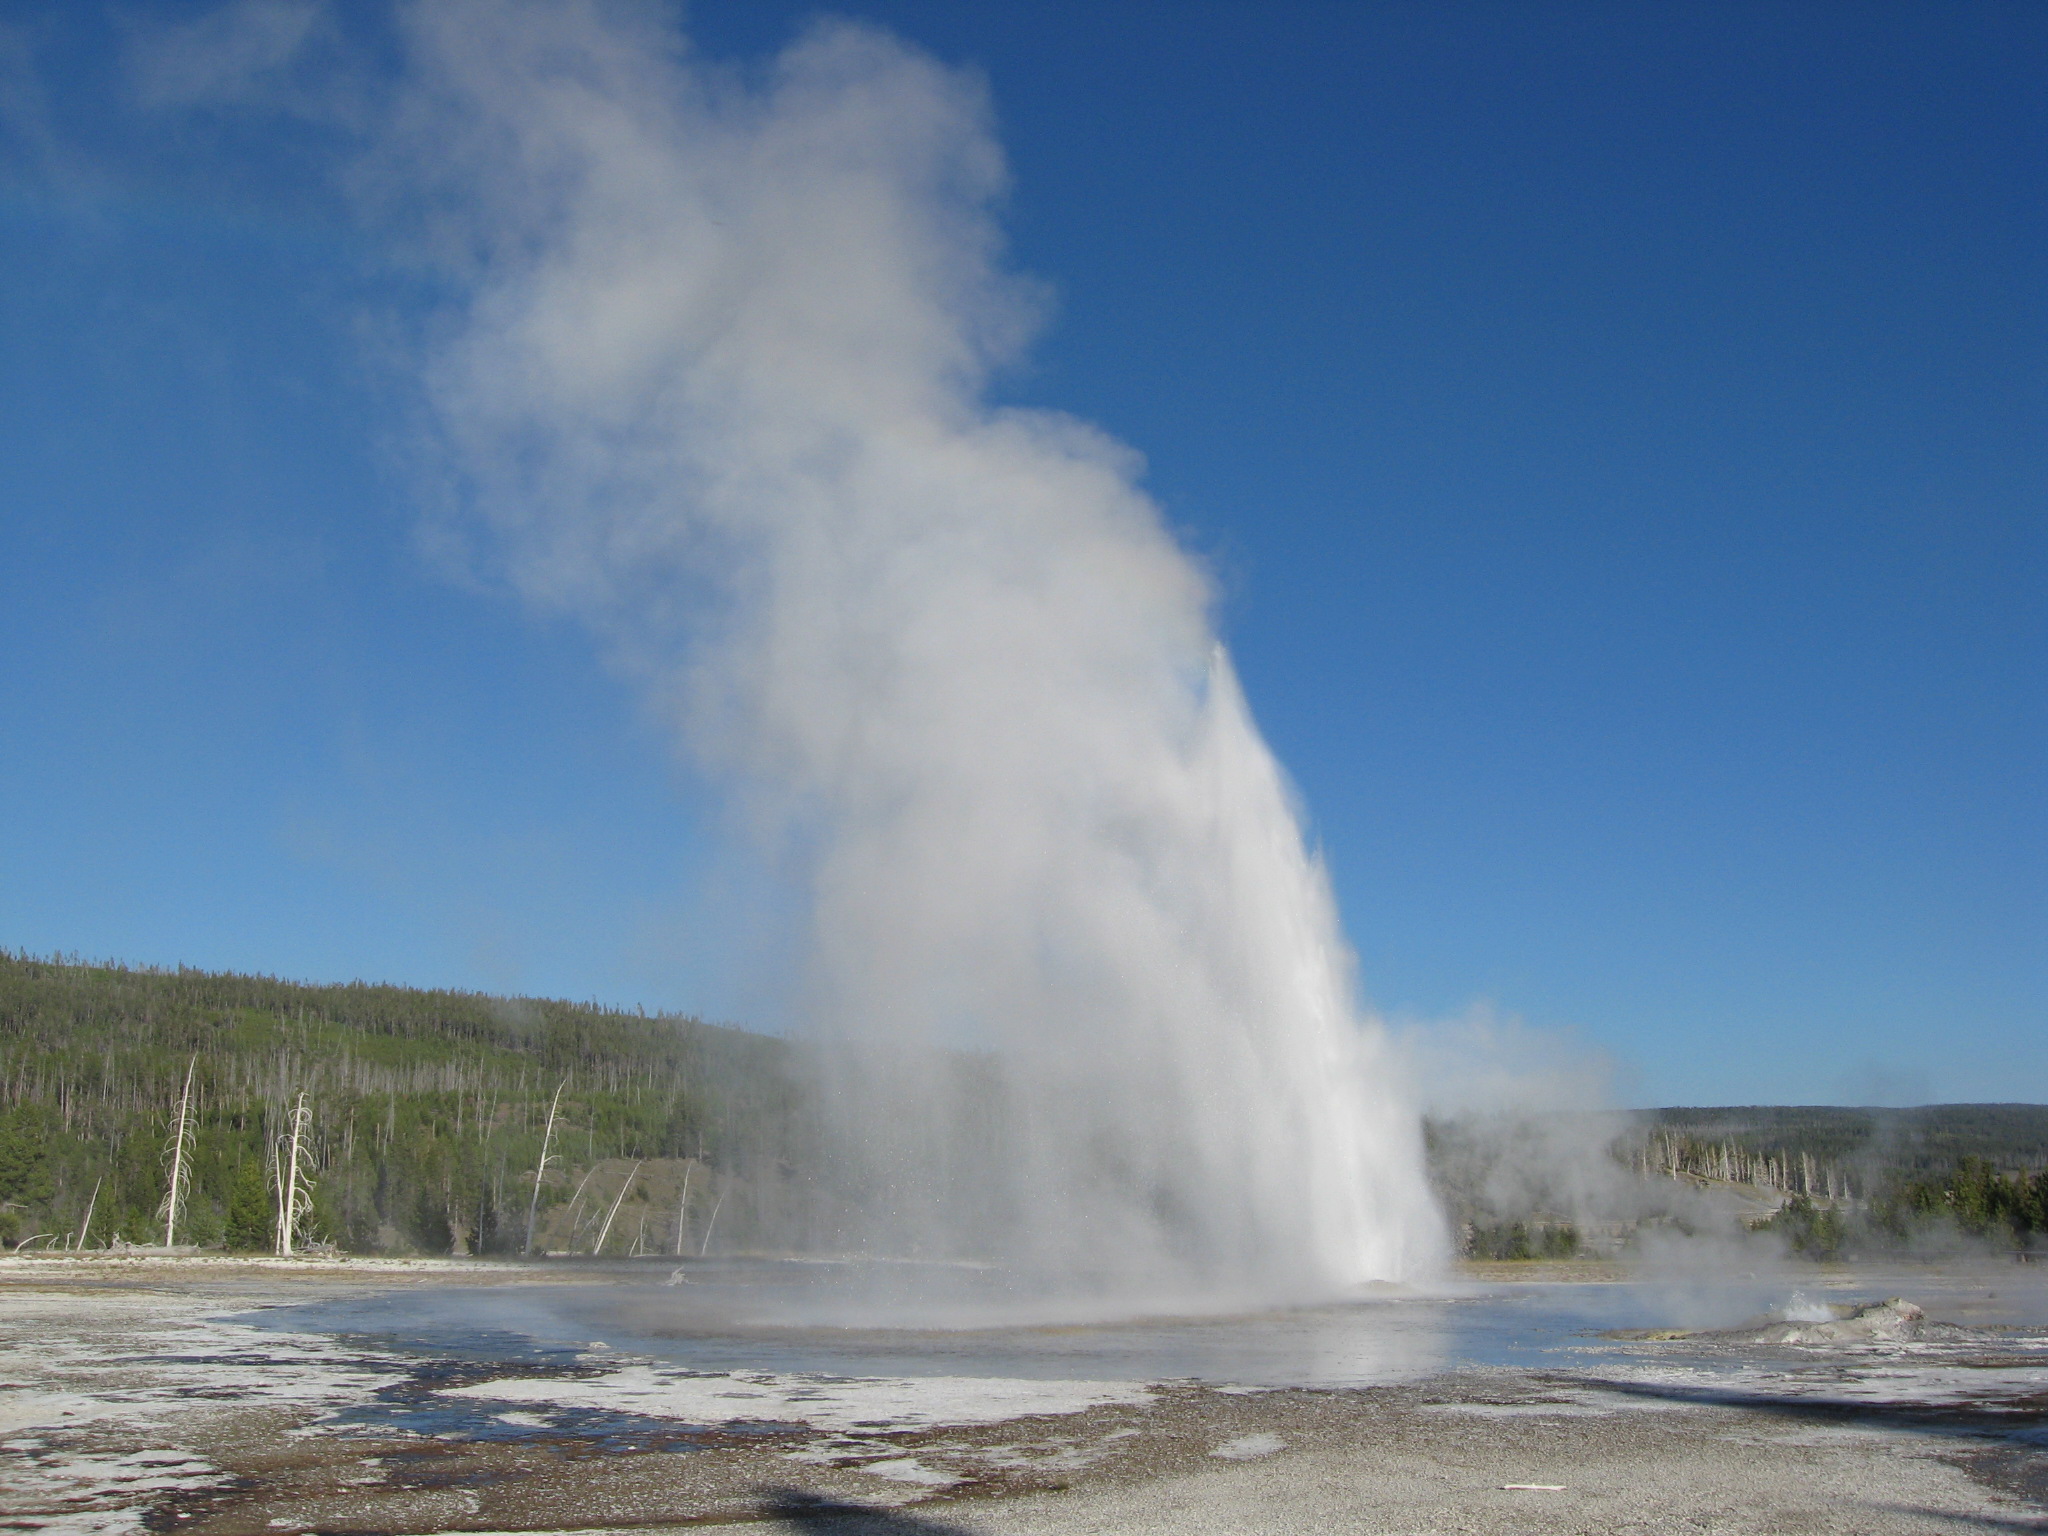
711 376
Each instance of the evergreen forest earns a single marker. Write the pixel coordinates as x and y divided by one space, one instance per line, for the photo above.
423 1116
427 1112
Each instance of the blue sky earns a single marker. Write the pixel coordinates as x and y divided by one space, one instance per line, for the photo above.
1617 432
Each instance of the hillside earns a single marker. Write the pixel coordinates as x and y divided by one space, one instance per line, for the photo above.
1929 1139
427 1111
426 1114
1829 1179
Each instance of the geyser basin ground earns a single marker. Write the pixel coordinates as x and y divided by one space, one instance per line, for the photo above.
234 1399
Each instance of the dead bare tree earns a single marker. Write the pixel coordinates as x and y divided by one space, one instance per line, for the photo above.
179 1187
547 1138
294 1164
612 1214
716 1206
85 1226
683 1207
575 1226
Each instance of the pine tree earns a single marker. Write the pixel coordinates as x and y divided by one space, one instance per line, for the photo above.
251 1224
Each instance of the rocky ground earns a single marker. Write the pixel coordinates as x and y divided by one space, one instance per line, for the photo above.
127 1403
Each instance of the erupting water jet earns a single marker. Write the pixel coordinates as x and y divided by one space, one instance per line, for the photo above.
713 377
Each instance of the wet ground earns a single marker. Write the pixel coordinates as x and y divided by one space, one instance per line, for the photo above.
236 1399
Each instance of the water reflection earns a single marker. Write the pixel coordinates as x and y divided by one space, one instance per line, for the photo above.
853 1321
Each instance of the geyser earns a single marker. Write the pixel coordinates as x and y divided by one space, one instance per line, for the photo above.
710 372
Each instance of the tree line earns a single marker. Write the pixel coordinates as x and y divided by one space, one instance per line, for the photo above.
139 1105
1830 1181
416 1116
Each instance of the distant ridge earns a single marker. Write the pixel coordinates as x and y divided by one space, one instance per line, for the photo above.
428 1111
1927 1138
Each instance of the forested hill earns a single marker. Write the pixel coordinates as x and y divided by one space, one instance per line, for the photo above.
1867 1144
427 1113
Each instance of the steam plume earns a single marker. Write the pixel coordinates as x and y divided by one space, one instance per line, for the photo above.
712 377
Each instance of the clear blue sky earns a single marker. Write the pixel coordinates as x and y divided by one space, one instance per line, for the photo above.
1618 431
